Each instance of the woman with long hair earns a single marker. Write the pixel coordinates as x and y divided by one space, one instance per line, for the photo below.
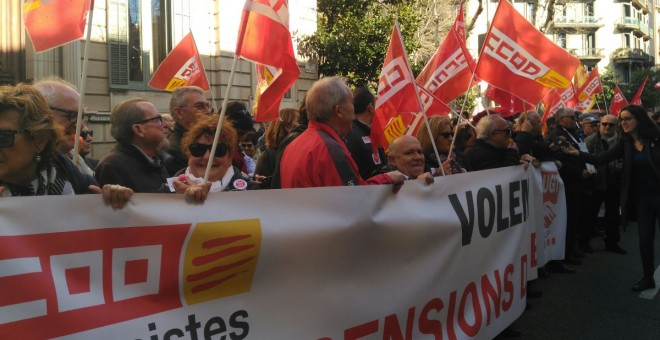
441 130
640 189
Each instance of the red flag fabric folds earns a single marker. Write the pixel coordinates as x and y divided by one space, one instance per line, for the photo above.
618 101
637 99
586 92
509 103
56 22
264 39
518 59
449 72
397 104
182 67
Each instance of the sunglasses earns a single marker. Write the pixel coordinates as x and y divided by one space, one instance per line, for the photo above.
199 150
159 118
246 145
7 137
69 114
608 124
86 133
446 134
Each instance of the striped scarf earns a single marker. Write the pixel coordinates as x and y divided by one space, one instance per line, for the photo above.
48 180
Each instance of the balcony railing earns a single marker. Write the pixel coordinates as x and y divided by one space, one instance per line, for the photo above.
587 53
634 24
584 21
633 54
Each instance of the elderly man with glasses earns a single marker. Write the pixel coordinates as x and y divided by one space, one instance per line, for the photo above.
187 105
63 100
494 147
137 159
608 184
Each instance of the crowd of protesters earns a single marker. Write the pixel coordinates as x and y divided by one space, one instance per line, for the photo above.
610 165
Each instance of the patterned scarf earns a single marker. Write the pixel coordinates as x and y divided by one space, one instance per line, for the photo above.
48 180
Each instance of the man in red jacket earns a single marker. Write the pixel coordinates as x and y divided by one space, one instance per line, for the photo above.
319 157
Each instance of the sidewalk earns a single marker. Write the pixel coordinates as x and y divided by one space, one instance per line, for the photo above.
596 302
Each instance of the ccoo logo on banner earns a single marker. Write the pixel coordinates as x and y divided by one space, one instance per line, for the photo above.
62 283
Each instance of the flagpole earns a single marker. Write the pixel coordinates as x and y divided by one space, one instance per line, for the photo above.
76 143
451 147
222 116
419 101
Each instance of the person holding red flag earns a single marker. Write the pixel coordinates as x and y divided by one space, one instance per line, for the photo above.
319 157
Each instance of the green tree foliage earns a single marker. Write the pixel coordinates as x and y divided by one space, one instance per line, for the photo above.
353 35
650 96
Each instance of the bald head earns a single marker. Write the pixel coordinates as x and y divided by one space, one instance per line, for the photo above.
406 155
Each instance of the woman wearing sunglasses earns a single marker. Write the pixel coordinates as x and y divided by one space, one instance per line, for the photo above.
640 187
30 164
196 145
441 129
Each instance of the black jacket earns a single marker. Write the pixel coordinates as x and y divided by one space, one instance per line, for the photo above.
482 156
126 165
625 149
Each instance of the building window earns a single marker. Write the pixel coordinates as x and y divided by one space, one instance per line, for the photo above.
626 10
140 34
561 40
626 41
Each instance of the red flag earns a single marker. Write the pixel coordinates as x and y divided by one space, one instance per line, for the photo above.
264 39
591 86
552 102
432 106
397 104
56 22
517 58
449 72
182 67
586 92
618 101
510 103
637 99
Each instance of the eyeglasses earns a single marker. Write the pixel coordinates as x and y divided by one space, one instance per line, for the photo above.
86 133
198 150
626 119
159 118
201 106
446 134
608 124
506 131
69 114
7 137
247 145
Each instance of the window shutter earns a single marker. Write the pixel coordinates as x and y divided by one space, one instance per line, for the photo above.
118 43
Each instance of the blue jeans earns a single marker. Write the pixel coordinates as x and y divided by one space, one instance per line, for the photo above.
648 217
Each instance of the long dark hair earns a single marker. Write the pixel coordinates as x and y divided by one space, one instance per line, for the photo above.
646 128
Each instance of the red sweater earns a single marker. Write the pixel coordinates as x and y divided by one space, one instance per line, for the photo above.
319 158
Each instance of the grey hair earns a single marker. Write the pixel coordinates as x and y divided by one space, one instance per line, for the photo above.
50 88
323 96
122 118
564 111
486 126
176 99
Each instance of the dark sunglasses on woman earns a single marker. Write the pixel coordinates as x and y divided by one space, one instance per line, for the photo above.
198 150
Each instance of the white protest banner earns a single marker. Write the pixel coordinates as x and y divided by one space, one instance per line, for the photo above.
449 261
551 238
